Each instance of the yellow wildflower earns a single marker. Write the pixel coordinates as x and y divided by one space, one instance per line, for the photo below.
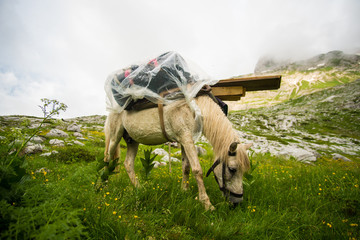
136 217
114 212
353 225
107 204
92 183
329 225
107 193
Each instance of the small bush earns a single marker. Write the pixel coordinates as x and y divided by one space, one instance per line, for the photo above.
74 154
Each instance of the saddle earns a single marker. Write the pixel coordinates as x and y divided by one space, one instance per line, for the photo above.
155 83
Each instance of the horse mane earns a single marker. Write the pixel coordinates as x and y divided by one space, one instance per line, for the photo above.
219 131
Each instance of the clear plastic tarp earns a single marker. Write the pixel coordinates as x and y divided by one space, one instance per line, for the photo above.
164 79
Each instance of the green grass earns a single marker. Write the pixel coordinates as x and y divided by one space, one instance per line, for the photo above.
287 200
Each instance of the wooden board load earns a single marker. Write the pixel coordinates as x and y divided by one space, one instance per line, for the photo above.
233 89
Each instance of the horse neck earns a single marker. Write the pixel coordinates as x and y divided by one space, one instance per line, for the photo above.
217 127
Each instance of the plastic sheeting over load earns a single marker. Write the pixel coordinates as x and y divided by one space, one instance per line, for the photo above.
164 79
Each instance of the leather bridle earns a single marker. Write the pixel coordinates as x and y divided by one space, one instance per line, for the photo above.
223 187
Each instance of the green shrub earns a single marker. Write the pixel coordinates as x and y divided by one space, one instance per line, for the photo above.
75 153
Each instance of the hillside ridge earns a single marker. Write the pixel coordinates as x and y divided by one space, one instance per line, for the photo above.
301 78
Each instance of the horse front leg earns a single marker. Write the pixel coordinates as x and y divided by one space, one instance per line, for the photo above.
192 156
114 131
185 170
132 149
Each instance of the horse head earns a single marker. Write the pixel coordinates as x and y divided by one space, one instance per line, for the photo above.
229 171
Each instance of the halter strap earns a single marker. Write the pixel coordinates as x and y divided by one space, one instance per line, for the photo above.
223 188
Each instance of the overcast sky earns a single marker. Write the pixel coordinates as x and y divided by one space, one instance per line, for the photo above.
64 50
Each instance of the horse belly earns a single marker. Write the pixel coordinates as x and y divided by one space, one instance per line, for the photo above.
144 126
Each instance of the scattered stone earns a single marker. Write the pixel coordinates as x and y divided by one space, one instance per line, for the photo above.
160 152
175 144
159 164
49 153
57 133
156 164
79 143
78 135
33 148
35 125
329 99
337 156
74 128
43 170
38 139
300 154
57 142
166 159
45 154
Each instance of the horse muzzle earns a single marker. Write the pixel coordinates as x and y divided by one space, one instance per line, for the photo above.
234 198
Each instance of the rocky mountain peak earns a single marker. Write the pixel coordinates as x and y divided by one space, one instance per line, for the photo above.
336 58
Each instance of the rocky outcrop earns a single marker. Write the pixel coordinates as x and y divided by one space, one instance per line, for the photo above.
59 133
73 128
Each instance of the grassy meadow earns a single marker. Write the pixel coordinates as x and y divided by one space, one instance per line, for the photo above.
56 198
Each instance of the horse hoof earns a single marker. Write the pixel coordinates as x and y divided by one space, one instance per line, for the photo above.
211 208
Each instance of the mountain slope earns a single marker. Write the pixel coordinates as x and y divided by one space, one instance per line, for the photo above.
321 123
301 78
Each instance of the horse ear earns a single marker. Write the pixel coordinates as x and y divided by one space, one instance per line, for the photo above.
248 146
233 147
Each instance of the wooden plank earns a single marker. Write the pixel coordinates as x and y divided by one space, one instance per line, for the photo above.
230 98
256 83
228 91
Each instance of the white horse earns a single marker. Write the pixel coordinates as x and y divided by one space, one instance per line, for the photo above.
231 160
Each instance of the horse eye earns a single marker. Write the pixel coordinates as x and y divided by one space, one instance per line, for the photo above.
232 170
